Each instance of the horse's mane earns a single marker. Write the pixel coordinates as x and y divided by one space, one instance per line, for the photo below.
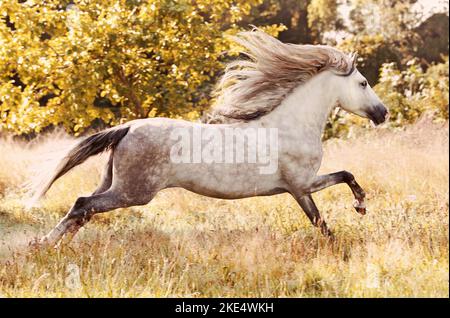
255 86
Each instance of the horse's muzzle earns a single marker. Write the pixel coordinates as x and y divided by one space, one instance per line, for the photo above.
378 114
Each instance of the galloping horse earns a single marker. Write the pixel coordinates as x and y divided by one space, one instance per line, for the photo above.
288 87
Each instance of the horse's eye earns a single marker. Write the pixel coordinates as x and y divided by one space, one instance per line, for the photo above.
363 84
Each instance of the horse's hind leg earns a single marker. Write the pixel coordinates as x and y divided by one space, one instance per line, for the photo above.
68 223
84 208
107 176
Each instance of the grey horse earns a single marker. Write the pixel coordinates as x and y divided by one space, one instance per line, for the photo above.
284 87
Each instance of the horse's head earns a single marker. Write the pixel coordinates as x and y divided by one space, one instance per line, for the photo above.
356 96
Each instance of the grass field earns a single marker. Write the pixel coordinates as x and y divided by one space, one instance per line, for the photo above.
183 244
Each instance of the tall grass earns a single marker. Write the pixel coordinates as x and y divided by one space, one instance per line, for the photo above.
182 244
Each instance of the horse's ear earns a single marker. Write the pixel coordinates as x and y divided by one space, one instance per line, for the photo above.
351 65
354 59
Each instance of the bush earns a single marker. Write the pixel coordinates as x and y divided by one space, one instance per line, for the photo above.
75 63
413 92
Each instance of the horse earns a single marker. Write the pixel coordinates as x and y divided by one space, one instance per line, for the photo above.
288 88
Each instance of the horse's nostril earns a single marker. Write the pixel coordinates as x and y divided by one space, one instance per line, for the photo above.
378 114
383 111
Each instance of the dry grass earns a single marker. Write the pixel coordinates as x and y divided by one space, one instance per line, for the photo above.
187 245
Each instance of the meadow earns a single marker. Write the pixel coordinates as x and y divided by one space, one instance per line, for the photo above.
182 244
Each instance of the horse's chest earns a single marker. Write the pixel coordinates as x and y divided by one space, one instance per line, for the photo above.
302 161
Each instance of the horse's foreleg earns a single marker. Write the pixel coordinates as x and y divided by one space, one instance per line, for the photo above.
81 212
325 181
307 204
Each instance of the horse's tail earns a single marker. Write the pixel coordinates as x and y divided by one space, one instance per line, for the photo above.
90 146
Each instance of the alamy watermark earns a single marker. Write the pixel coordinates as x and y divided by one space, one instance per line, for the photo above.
216 145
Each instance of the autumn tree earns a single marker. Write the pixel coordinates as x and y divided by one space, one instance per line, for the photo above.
305 21
382 31
76 63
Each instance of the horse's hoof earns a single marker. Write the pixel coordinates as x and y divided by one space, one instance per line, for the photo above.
45 242
360 207
361 211
39 243
330 237
35 243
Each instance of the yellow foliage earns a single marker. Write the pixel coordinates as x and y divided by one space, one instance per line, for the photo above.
110 60
322 15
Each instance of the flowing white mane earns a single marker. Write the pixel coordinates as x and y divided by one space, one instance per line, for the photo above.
254 87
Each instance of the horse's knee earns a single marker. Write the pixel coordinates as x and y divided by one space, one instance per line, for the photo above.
348 176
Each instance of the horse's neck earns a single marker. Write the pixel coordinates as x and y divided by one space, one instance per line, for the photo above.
306 109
